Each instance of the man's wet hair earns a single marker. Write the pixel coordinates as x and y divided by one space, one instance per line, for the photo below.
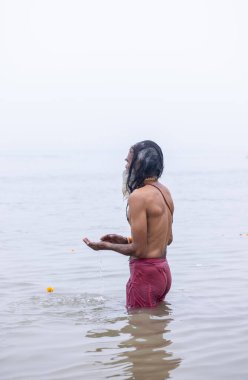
147 161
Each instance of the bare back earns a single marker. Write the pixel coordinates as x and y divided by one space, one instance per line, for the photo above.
158 213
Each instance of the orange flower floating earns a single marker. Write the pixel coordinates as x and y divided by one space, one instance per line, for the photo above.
50 289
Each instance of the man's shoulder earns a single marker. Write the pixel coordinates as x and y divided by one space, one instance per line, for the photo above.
137 195
164 188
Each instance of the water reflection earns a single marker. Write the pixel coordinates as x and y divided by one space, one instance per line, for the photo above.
141 350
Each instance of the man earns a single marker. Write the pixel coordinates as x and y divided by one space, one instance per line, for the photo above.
150 215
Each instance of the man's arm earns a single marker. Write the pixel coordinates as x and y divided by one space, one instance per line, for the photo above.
138 222
113 238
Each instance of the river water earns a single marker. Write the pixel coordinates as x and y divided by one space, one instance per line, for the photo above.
82 329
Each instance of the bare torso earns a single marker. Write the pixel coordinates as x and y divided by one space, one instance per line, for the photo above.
158 219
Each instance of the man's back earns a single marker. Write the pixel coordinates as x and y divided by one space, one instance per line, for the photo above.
158 213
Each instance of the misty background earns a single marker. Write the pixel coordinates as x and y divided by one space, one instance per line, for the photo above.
79 75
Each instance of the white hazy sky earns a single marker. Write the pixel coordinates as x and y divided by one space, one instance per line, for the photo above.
75 73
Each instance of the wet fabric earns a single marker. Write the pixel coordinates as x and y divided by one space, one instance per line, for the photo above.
149 282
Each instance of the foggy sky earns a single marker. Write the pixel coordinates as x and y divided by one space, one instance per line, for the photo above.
103 73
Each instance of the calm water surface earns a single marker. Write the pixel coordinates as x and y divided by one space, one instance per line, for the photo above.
82 330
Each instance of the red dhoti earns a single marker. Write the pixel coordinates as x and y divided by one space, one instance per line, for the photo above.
149 282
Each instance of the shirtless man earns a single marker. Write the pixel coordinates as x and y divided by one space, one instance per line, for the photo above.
150 214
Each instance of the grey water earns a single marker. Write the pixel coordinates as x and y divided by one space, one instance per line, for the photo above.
82 330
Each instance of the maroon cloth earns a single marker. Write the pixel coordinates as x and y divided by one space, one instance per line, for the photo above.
149 282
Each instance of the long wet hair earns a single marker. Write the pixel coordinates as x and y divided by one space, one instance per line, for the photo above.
147 161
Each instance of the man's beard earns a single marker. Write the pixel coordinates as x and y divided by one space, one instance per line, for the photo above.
125 190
